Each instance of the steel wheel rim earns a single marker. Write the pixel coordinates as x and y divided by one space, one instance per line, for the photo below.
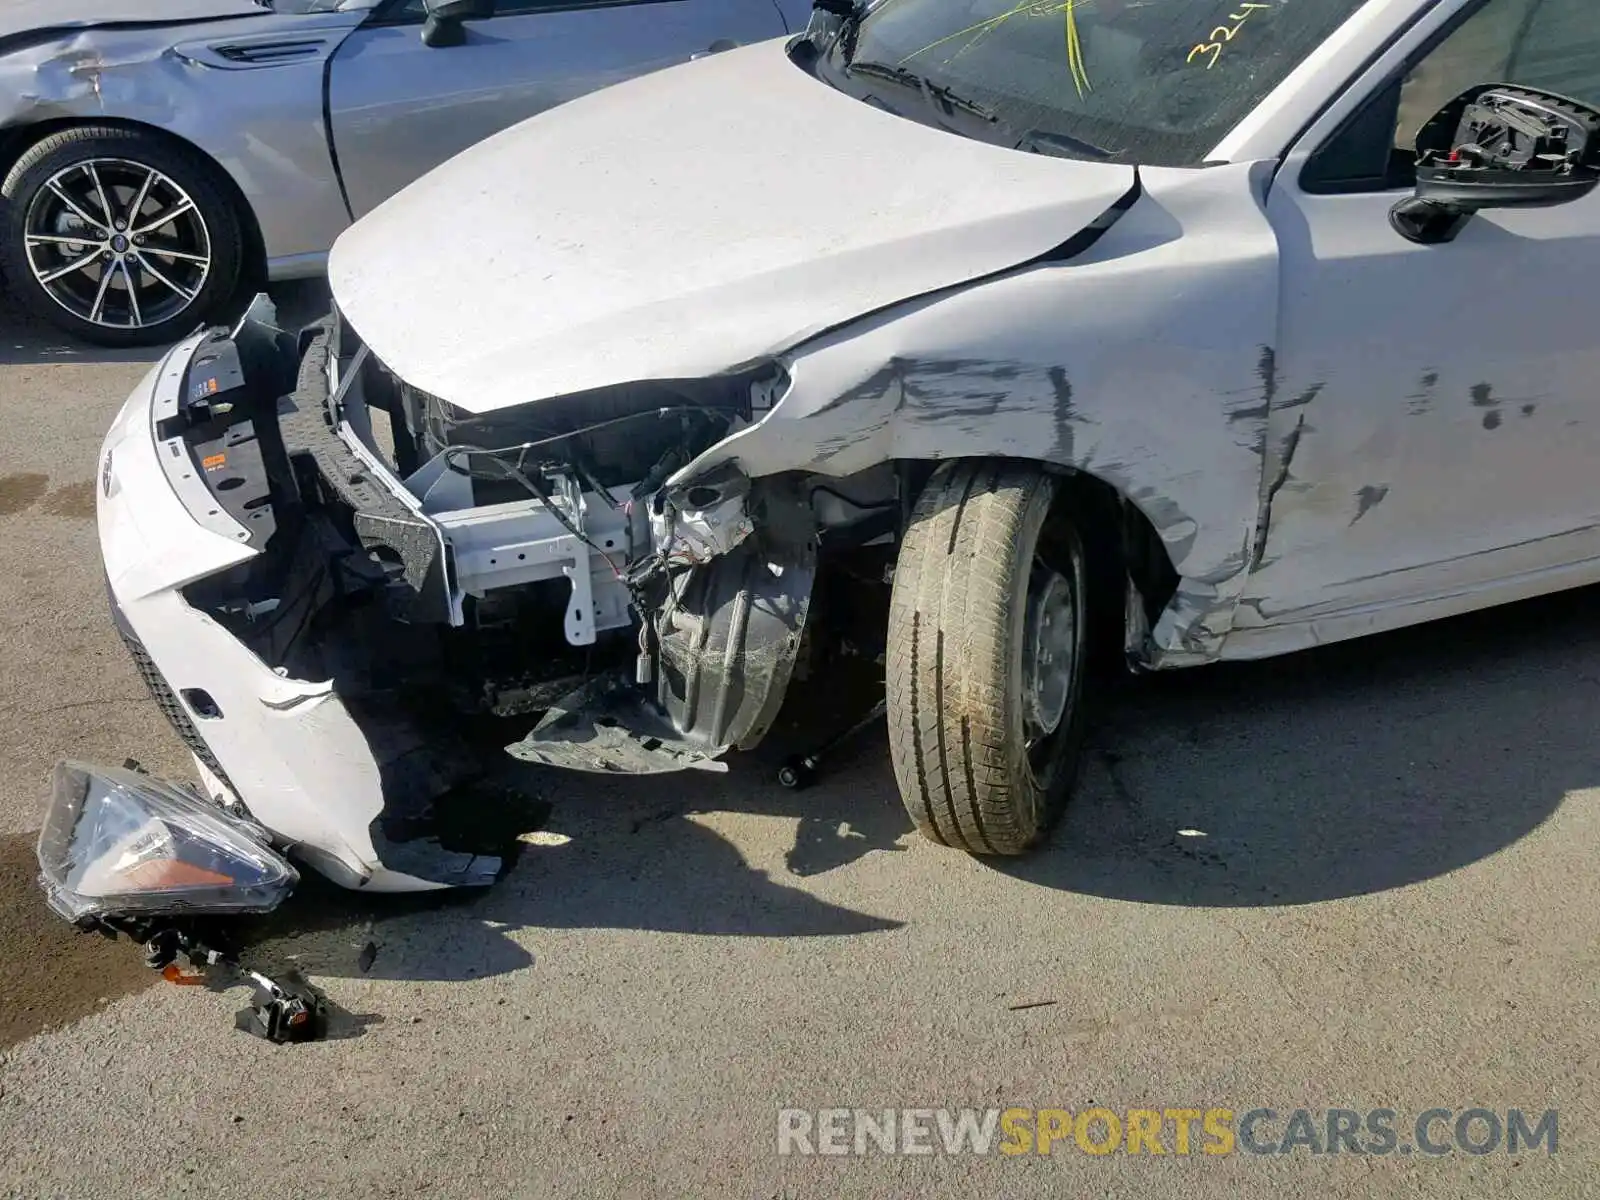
117 243
1050 655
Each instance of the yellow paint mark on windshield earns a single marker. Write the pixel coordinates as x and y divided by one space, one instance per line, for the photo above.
981 29
978 31
1080 77
1224 34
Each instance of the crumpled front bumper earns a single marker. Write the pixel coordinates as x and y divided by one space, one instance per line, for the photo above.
287 749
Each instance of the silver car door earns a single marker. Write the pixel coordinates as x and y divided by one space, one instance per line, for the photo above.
399 108
1437 415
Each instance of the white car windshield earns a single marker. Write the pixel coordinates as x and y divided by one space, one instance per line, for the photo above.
1147 81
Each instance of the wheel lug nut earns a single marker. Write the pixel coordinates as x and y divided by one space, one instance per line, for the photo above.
121 225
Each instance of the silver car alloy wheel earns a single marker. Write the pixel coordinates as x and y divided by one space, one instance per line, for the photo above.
117 243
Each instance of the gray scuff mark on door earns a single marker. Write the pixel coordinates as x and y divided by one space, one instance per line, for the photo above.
1421 401
1368 498
1291 443
1267 373
1483 397
1304 398
1528 410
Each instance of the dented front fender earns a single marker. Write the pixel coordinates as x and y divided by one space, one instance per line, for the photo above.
1145 362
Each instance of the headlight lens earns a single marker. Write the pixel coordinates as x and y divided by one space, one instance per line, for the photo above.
117 842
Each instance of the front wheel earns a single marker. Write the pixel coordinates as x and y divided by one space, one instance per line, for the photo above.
987 657
119 236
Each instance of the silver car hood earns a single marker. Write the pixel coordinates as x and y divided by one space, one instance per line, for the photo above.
27 16
685 223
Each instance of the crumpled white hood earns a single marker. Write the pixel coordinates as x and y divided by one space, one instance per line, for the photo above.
685 223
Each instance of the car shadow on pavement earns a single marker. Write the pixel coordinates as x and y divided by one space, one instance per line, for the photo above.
1337 772
622 852
631 853
25 340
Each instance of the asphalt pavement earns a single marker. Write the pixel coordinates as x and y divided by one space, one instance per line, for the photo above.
1361 878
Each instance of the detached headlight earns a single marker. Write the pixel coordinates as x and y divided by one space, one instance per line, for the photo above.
116 842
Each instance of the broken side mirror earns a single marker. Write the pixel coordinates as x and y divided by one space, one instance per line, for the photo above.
1498 147
444 27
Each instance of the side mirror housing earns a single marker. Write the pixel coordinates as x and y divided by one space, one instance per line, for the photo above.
1498 147
443 26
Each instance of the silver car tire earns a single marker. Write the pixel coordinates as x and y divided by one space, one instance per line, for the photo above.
121 237
988 656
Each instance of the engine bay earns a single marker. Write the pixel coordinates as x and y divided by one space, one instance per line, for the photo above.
538 579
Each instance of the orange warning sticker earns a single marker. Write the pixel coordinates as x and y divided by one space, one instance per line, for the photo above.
212 461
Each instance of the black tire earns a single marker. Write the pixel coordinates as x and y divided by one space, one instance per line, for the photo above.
955 681
137 150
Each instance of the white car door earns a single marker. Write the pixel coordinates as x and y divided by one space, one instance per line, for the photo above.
1436 423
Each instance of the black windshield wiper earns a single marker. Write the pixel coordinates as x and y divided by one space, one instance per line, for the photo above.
933 91
1047 141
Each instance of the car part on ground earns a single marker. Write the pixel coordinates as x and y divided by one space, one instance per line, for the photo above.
283 1009
121 236
118 843
123 853
800 771
987 657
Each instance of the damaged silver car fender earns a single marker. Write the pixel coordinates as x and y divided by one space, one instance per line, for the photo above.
1145 363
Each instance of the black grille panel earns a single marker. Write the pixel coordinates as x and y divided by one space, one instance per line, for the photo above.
173 708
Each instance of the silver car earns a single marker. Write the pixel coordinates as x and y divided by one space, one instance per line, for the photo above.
155 156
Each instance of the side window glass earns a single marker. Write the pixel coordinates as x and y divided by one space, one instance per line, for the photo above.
1376 148
1559 50
1553 45
1549 44
1478 51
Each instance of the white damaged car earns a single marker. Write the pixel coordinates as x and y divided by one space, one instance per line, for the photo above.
1201 331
